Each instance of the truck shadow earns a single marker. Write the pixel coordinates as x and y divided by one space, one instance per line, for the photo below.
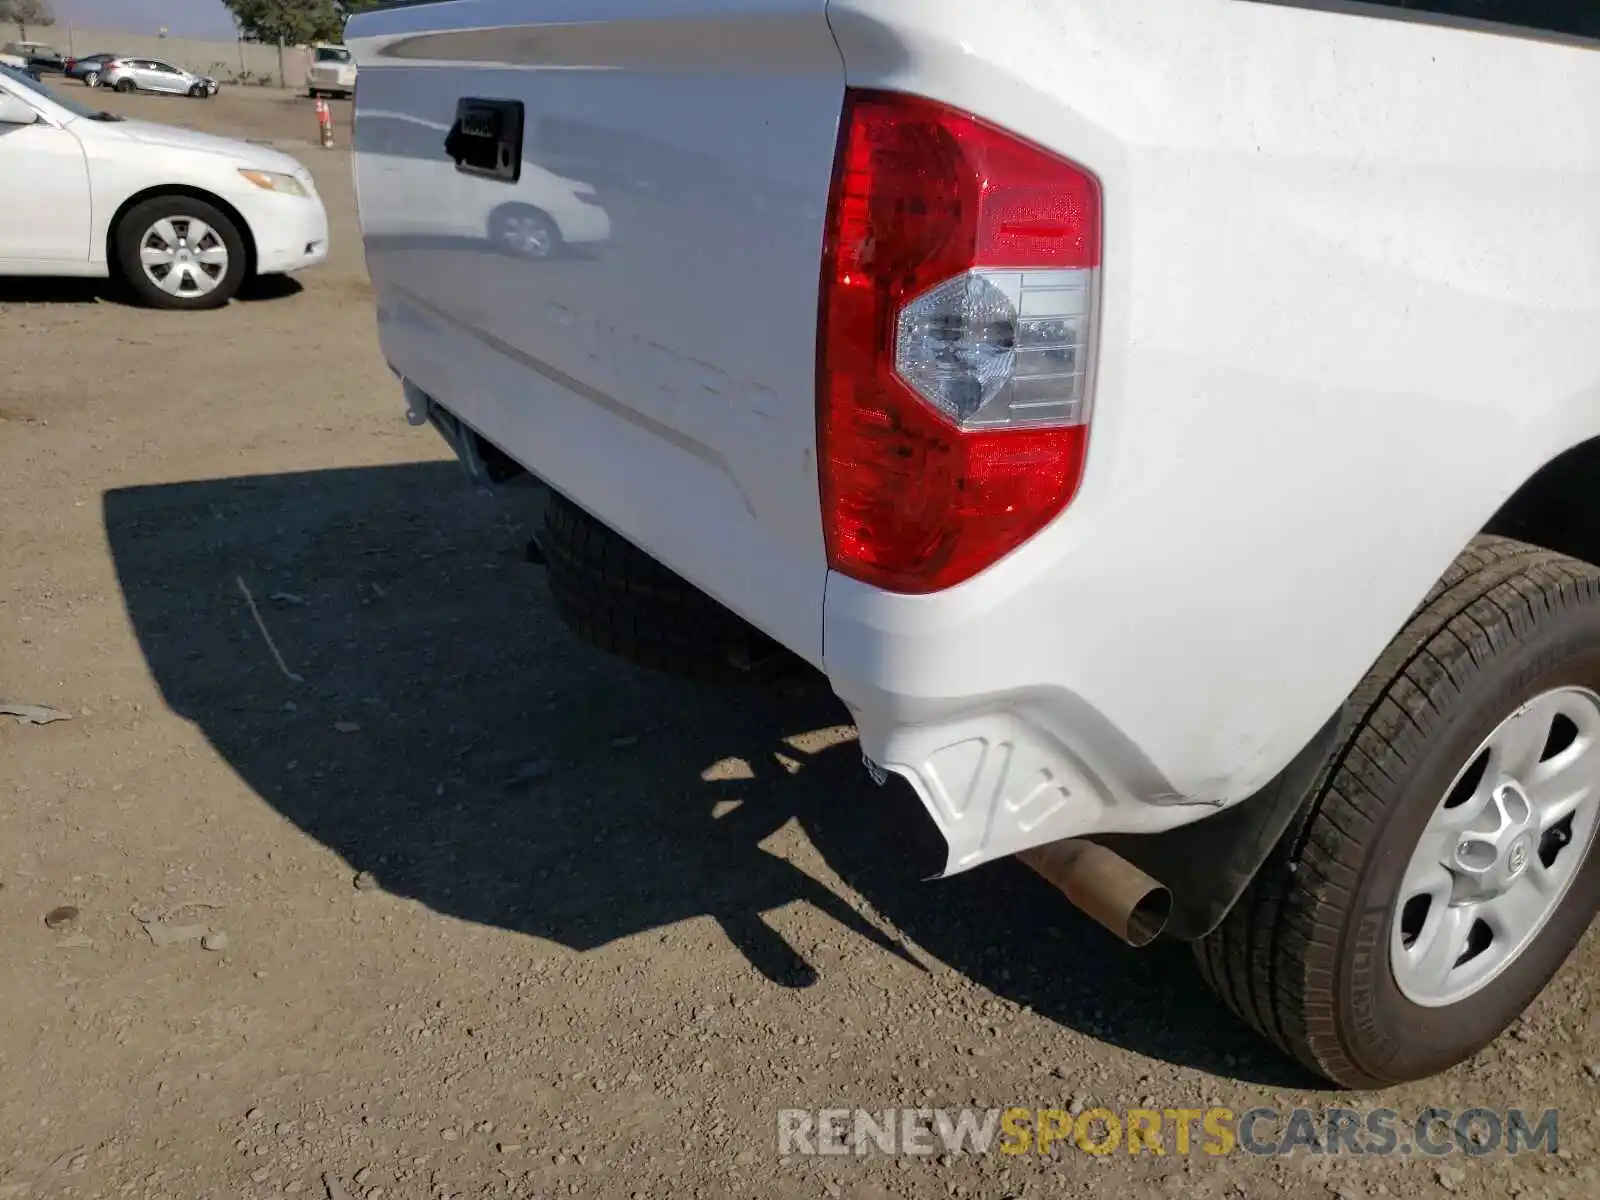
370 651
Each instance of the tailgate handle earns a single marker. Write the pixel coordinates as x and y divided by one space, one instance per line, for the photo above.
486 139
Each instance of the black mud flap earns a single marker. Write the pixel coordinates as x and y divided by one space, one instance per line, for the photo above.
1208 865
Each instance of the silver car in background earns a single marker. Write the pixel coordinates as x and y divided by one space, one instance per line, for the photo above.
153 75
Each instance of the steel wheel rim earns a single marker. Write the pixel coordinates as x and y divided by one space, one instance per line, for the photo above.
184 257
92 79
1500 851
528 236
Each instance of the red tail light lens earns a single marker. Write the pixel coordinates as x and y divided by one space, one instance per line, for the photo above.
957 312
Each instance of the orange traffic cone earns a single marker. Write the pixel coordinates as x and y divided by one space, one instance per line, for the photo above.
325 123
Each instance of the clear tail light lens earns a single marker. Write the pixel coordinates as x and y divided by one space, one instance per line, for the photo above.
999 349
957 333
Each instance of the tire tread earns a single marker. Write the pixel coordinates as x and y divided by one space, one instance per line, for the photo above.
618 598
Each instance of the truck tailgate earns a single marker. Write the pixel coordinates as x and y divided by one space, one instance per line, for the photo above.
631 310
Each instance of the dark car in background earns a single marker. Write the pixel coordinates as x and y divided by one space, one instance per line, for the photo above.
37 56
88 69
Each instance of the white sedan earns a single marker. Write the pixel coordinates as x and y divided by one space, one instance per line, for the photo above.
544 215
183 218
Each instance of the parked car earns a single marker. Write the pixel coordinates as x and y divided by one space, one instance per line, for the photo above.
183 218
332 72
88 69
1183 472
36 55
153 75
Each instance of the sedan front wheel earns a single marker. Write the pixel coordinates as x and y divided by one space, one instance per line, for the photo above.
179 252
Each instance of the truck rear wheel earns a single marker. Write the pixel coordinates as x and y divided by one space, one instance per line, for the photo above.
617 597
1443 868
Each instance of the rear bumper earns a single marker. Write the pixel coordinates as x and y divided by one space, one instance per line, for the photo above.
1001 763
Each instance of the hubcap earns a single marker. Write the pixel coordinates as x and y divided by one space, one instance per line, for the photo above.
1500 851
183 256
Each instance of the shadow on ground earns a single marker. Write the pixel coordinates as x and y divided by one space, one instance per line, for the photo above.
449 736
109 291
29 290
269 287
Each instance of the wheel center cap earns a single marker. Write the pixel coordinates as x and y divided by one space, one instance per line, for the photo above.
1517 858
1495 851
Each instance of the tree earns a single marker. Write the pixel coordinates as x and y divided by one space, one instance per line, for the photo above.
23 13
293 22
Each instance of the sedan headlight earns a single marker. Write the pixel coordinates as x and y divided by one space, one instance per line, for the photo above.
272 181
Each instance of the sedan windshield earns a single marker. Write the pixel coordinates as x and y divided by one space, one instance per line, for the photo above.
72 106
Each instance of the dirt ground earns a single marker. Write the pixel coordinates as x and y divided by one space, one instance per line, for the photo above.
486 913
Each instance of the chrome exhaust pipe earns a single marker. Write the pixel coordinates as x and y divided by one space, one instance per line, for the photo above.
1104 886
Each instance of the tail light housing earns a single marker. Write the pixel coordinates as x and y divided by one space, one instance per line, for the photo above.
956 341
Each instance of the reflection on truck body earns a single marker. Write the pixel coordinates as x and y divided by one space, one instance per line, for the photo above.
411 189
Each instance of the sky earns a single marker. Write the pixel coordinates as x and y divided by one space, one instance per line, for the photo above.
183 18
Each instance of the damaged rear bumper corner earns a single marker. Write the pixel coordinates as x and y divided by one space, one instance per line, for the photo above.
1001 782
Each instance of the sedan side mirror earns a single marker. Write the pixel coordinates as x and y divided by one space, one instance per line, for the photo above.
14 111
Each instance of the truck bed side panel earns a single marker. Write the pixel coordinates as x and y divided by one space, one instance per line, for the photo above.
659 368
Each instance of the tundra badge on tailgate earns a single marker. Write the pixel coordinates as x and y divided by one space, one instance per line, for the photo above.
487 138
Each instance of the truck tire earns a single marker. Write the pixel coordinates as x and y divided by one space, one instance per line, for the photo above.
1466 772
615 596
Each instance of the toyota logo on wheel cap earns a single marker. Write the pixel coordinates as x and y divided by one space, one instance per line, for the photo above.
1518 858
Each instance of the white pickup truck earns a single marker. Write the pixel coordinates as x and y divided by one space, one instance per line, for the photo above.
331 72
1170 426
